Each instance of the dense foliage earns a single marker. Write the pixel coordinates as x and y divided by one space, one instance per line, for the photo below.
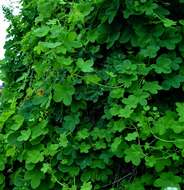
93 96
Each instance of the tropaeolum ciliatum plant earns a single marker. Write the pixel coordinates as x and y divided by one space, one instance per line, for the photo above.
93 96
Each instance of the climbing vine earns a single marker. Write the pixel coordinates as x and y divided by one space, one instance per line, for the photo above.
93 96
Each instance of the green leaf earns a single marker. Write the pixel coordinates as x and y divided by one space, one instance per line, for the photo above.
150 51
168 22
70 122
163 124
150 161
85 66
118 126
25 134
173 82
63 141
50 45
63 92
131 136
86 186
35 177
117 93
168 179
134 154
163 65
100 145
46 168
126 67
18 121
132 101
64 60
34 156
152 87
39 129
7 113
84 147
51 149
42 31
180 110
83 134
92 79
135 185
117 141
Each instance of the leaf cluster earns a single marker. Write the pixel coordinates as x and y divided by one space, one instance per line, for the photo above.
93 96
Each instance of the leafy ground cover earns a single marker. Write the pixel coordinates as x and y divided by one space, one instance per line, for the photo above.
93 96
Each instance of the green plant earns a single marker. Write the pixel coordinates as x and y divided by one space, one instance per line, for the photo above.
93 96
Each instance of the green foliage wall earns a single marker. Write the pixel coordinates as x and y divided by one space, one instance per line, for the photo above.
93 96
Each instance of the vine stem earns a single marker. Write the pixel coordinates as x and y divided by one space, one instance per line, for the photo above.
118 180
102 85
164 140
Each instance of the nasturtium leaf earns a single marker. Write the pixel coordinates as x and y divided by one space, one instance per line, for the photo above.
70 122
39 129
134 154
42 31
150 51
10 152
63 92
126 67
152 87
164 123
92 79
34 156
51 149
136 184
85 66
150 161
125 112
84 148
85 162
64 61
168 22
86 186
45 168
173 82
35 176
163 65
168 179
45 8
117 93
131 136
99 145
5 115
18 121
170 38
25 134
63 141
117 141
117 126
50 45
131 101
180 110
83 134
